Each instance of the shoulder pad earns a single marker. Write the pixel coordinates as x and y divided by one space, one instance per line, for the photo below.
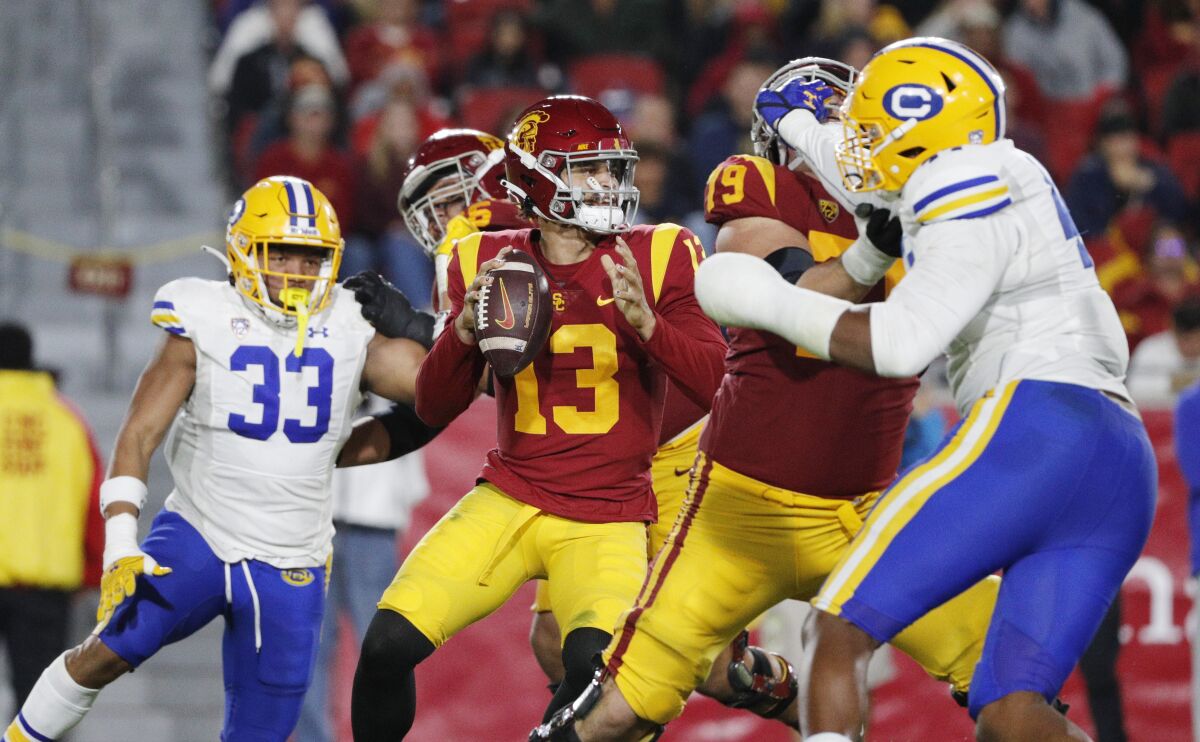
963 183
174 304
741 186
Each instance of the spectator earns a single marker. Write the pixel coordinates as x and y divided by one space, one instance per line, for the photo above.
1187 451
271 50
50 521
380 240
1146 296
309 153
1166 363
1117 179
1069 46
1181 102
394 35
724 128
574 29
664 196
398 81
372 509
508 60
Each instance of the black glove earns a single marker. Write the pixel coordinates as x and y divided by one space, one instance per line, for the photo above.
883 229
386 307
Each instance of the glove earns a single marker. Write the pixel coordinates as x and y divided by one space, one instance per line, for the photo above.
809 96
880 227
386 307
123 562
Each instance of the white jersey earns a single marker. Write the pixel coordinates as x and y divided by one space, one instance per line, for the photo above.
998 278
253 449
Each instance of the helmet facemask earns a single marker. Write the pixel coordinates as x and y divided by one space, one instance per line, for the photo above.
253 274
594 189
430 198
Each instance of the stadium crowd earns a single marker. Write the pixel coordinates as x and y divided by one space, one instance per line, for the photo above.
341 92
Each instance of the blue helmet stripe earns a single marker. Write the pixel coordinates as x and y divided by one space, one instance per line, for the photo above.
291 195
987 79
310 204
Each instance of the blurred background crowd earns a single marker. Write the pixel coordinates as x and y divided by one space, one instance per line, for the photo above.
1106 93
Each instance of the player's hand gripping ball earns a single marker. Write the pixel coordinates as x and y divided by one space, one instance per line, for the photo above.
512 314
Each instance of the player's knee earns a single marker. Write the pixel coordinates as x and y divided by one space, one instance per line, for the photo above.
392 644
93 665
837 634
581 654
1018 716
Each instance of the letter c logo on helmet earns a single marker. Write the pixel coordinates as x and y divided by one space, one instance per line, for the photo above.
912 101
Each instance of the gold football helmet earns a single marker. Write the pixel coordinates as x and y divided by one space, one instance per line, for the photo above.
283 211
915 98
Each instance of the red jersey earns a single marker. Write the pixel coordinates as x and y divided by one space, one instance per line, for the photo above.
578 427
780 415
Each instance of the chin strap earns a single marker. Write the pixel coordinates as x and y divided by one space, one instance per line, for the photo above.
756 686
297 299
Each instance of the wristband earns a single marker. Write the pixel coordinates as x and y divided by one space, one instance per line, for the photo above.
865 263
120 537
123 489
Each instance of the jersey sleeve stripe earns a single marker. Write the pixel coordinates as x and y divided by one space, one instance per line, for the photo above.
940 193
985 211
767 172
958 208
163 305
165 318
661 244
468 257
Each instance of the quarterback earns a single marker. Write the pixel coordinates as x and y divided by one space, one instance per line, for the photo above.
759 529
257 379
1050 477
567 491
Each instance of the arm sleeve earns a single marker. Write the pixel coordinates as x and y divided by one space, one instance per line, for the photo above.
1187 450
448 376
686 343
815 144
406 430
958 265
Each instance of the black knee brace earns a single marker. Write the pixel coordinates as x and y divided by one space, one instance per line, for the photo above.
384 701
392 641
756 688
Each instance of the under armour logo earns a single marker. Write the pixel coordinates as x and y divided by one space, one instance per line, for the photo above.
323 332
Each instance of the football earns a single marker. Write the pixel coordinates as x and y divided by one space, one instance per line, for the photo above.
512 319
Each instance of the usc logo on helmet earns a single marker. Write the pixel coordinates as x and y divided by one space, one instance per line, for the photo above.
525 136
491 142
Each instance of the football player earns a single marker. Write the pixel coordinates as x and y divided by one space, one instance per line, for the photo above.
258 378
1050 477
806 499
566 493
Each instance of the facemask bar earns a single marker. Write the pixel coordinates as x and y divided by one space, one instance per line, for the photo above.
858 152
250 277
420 208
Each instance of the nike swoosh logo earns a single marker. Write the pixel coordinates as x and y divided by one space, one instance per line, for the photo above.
510 319
680 472
603 302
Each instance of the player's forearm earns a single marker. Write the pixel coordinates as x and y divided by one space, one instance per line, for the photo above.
692 352
447 380
386 436
831 279
815 143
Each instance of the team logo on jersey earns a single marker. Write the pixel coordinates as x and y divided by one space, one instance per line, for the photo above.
829 209
240 326
527 130
297 577
559 302
912 101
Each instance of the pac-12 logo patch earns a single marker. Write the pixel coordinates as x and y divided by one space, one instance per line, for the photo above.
297 577
240 326
829 209
912 101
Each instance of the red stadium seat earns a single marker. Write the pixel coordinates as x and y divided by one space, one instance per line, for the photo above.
592 76
492 109
1183 155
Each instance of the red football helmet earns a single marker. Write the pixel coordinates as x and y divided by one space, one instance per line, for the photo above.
451 170
568 160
